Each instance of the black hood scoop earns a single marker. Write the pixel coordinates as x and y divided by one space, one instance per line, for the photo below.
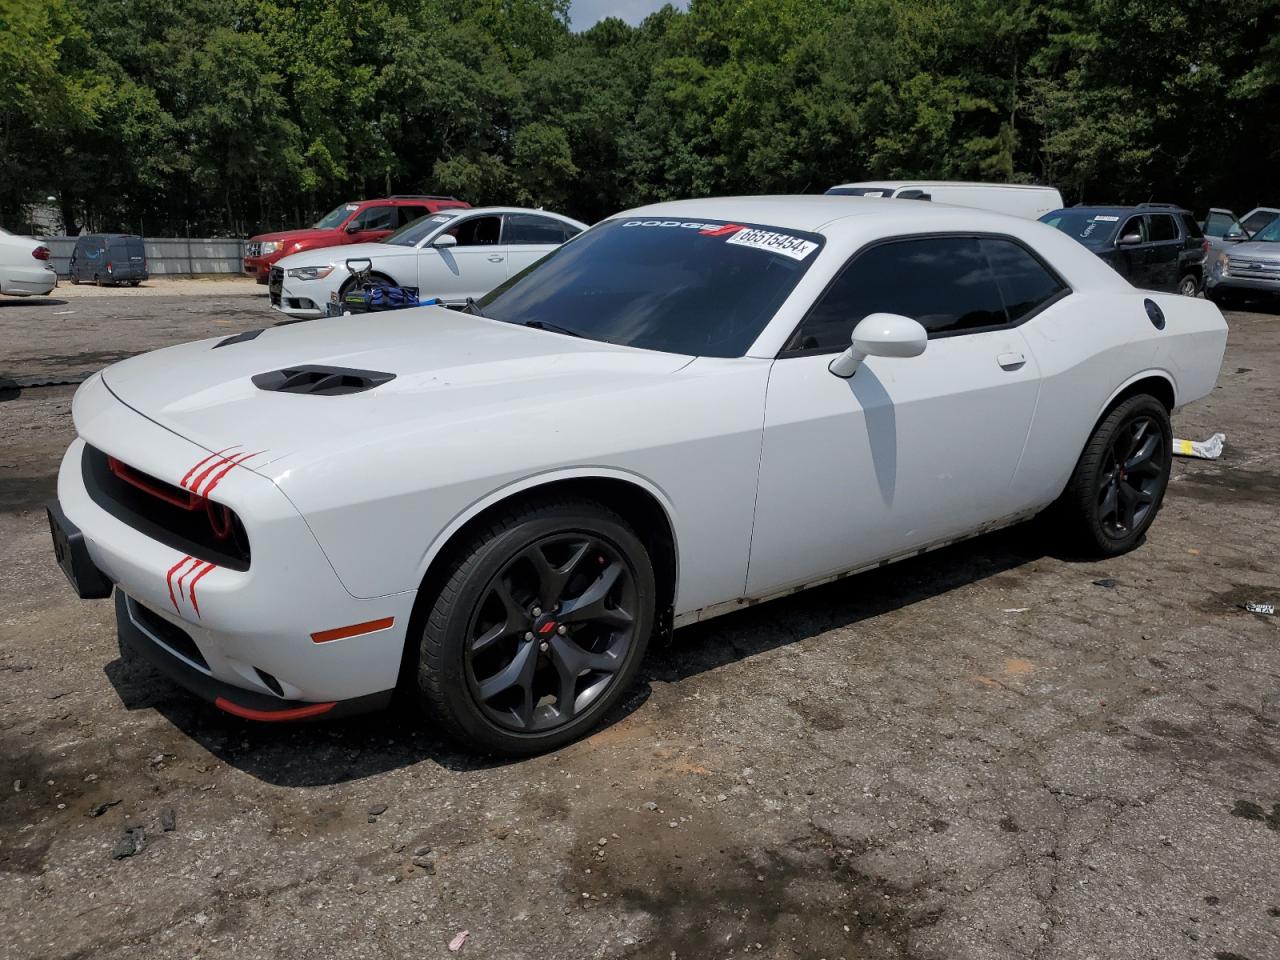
321 381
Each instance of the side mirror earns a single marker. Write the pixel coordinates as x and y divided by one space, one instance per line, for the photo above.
445 240
880 335
1130 240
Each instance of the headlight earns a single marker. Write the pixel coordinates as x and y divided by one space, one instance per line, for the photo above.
310 273
271 246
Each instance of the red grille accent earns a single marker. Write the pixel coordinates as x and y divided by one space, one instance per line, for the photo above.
157 488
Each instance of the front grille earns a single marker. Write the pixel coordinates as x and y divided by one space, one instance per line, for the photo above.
253 249
1260 269
167 634
275 283
171 515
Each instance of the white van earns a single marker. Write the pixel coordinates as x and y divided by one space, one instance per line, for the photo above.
1015 199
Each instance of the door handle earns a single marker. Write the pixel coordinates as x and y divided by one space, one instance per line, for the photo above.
494 258
1011 361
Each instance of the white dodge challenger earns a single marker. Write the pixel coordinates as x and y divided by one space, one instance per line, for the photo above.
692 406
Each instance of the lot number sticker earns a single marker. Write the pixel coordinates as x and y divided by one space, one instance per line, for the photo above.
794 247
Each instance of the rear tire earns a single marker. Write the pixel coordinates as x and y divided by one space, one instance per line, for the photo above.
1189 285
75 281
1120 479
500 677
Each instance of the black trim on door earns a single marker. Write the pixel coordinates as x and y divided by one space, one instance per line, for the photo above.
1066 290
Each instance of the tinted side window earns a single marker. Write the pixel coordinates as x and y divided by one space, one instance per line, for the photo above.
376 218
1136 225
527 228
1191 227
1163 228
1026 283
477 232
945 283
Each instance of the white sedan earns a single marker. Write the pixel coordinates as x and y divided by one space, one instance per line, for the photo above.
25 267
692 407
452 255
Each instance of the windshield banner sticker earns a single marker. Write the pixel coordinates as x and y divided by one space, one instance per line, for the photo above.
794 247
797 248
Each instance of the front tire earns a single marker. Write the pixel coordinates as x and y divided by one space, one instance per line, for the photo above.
539 628
1189 285
1120 480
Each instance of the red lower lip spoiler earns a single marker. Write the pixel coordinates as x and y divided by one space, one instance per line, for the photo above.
268 716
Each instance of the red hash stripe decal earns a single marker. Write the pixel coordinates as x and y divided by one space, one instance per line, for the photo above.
204 474
195 605
234 462
186 573
212 456
168 578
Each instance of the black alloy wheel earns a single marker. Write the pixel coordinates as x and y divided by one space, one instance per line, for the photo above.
551 631
538 627
1119 482
1132 478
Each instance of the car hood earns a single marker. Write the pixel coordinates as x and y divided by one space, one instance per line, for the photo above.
453 371
290 236
350 251
1255 250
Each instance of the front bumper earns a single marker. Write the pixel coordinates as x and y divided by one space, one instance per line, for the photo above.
252 629
1242 284
135 627
1263 279
259 267
297 298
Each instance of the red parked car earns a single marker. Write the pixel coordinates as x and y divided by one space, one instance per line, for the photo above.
362 221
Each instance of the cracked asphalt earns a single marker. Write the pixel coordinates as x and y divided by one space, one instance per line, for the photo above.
980 753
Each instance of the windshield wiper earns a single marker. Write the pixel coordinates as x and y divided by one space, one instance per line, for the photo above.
553 327
471 308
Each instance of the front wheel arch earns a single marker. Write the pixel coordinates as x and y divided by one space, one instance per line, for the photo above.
645 510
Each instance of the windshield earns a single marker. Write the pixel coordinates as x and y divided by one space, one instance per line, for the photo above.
701 288
1258 219
336 216
415 231
1218 224
1094 230
1270 233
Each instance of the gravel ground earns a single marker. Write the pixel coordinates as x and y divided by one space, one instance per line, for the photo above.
989 752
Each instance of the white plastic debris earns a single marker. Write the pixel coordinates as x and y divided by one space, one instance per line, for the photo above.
456 943
1210 449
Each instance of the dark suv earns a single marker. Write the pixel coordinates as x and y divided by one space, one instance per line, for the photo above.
1155 246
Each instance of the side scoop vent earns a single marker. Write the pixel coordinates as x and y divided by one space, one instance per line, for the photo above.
321 381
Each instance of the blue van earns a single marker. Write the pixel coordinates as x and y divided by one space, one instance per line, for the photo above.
108 258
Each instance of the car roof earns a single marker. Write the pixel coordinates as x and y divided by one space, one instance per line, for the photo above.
896 184
470 211
1119 208
813 212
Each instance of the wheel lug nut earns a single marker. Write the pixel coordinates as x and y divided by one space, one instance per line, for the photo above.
544 646
529 635
562 629
537 611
